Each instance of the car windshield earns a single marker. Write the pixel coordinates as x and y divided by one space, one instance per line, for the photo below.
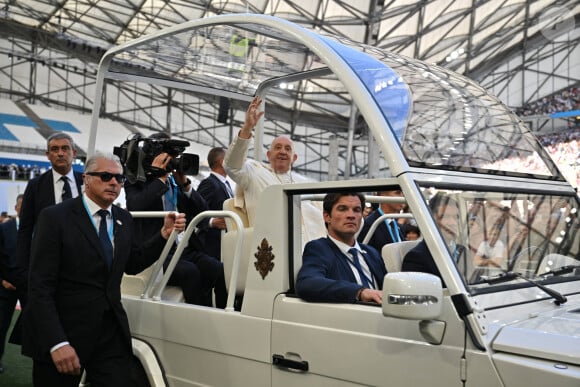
490 233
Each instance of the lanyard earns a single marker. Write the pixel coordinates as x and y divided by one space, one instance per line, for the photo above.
395 236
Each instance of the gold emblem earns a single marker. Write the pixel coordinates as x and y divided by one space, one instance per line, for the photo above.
264 258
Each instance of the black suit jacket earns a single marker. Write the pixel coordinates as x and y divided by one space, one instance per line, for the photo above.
71 286
8 233
381 235
38 195
420 259
214 192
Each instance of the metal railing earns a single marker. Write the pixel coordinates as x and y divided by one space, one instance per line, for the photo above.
153 289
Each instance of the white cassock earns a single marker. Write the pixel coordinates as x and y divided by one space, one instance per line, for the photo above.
252 177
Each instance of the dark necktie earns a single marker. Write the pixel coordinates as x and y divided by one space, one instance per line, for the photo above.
66 191
104 237
229 189
355 261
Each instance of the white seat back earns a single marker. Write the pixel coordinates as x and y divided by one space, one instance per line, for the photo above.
394 253
228 205
135 285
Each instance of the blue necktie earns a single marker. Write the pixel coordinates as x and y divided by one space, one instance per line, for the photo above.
355 261
66 190
104 237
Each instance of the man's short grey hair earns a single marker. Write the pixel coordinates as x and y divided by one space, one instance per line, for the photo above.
60 136
90 165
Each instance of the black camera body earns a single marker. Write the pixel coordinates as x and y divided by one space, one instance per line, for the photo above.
137 154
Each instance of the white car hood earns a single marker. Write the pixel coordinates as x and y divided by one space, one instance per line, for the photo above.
554 336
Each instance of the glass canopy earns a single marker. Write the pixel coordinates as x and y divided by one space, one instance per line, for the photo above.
441 119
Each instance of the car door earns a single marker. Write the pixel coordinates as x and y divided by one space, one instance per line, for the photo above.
354 344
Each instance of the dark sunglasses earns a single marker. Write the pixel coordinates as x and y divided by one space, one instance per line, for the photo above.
107 176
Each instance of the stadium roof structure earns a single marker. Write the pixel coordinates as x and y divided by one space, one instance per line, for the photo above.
500 44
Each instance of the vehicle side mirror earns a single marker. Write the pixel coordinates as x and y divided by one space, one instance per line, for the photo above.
412 295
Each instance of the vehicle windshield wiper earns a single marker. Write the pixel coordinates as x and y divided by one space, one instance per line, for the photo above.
510 275
562 270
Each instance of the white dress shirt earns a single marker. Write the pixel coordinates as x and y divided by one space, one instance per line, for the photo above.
343 247
59 184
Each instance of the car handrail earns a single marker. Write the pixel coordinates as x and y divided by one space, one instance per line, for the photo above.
158 265
181 246
378 221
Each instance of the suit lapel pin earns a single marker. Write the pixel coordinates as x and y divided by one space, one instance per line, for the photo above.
119 222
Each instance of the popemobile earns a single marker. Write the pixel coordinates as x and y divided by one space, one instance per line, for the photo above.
513 321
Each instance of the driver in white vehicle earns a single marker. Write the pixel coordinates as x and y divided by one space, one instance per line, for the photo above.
337 268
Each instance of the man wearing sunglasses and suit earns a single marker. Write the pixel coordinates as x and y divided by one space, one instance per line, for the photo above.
74 318
52 187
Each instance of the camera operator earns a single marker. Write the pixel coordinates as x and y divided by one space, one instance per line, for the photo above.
169 189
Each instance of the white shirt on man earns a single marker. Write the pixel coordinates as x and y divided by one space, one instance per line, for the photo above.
344 248
485 250
59 184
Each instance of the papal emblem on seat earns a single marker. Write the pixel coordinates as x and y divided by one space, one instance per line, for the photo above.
264 258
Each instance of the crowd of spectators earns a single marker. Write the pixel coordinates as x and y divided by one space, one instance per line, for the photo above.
564 149
552 140
20 172
559 102
530 164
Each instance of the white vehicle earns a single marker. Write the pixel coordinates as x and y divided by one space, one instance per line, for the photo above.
514 324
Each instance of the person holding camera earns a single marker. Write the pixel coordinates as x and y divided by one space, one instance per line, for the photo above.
169 189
